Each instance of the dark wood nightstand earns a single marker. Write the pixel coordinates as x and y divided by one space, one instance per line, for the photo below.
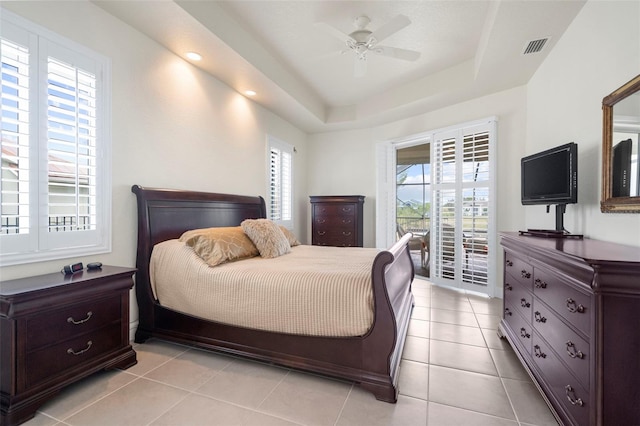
56 329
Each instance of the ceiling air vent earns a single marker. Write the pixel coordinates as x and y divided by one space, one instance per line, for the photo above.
535 46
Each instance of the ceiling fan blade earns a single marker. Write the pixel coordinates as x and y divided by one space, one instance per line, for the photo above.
333 31
391 27
360 67
394 52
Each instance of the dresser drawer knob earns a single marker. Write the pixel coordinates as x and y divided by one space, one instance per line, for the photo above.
525 274
572 351
524 303
346 221
508 287
508 262
322 232
346 209
524 333
540 283
347 233
507 311
70 320
572 306
321 221
538 352
539 318
80 352
571 396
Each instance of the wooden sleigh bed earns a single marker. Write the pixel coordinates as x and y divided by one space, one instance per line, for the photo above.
371 360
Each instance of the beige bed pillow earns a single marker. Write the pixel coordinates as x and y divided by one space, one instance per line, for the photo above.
293 241
220 245
267 236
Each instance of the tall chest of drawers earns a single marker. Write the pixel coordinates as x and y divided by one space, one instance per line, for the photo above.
336 220
572 315
56 329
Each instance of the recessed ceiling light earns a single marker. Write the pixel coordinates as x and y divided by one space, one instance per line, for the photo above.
249 93
194 56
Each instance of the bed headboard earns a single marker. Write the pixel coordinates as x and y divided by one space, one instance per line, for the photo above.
164 214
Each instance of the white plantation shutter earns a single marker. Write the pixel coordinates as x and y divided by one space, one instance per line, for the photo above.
55 146
71 116
444 208
475 204
14 183
280 203
463 216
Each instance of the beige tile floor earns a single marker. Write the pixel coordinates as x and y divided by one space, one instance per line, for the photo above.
455 371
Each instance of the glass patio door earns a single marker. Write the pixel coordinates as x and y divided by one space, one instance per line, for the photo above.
413 201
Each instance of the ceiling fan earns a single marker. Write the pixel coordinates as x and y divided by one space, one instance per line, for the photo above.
362 41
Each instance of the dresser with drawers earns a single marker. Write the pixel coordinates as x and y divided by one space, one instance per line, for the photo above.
56 329
572 315
336 220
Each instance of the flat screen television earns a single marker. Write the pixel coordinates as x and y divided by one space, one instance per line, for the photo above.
551 176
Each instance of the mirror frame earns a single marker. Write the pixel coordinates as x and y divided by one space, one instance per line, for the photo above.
609 204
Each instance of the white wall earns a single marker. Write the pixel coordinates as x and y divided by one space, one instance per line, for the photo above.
173 126
344 162
597 54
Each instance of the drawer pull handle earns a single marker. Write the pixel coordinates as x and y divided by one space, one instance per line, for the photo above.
508 262
539 318
571 396
540 283
72 352
572 351
525 274
347 233
346 209
572 306
507 311
524 303
72 321
321 221
524 333
346 221
508 287
322 232
538 352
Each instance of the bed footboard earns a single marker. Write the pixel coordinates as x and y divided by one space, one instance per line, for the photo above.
392 275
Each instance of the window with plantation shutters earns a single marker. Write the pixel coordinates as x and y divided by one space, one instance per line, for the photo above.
463 213
280 203
55 183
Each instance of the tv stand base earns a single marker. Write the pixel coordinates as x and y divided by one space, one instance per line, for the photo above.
549 233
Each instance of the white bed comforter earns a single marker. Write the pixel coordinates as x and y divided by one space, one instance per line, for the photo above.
318 291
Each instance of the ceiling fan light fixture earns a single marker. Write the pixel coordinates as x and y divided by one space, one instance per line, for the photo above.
362 40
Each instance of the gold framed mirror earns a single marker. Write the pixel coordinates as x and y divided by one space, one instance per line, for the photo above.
621 149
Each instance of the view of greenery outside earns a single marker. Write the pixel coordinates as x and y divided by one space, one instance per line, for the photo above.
413 205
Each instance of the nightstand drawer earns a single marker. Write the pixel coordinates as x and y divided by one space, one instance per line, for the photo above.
53 360
55 326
